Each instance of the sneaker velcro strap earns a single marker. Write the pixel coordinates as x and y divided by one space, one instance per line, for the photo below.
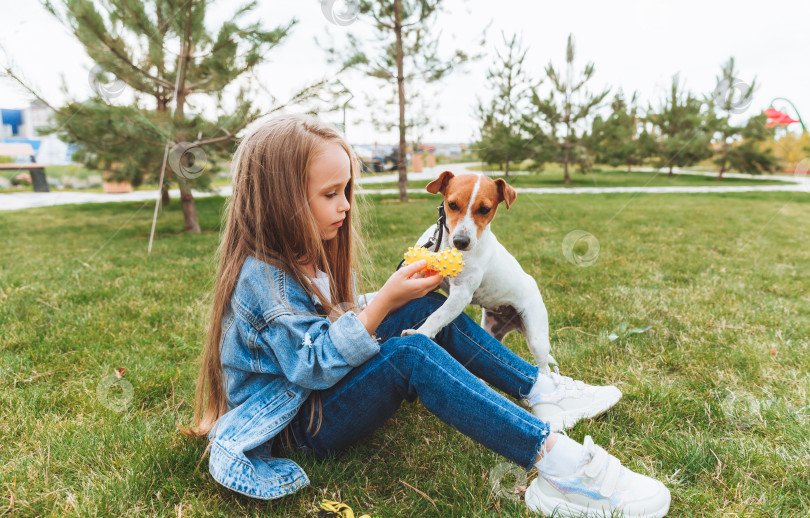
611 478
598 462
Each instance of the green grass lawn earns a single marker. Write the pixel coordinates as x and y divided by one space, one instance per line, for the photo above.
601 179
715 393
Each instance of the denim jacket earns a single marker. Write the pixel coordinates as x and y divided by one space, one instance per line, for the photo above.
275 349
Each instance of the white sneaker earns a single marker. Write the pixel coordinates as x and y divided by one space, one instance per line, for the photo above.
571 401
600 486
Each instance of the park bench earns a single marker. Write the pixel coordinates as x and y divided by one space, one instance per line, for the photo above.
37 171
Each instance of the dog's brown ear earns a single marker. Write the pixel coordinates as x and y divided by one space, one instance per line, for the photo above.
505 192
440 183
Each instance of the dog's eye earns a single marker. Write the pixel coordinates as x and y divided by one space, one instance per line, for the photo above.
452 206
484 210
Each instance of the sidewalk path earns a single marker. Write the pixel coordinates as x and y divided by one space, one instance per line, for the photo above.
790 184
25 200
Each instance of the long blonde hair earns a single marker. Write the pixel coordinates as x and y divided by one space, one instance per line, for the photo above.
268 216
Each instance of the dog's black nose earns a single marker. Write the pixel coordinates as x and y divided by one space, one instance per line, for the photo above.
461 242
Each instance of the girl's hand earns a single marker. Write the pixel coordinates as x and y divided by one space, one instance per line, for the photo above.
407 284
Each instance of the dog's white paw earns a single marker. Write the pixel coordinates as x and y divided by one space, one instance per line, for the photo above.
408 332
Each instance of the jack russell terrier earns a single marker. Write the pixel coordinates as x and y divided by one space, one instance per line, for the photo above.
508 296
491 277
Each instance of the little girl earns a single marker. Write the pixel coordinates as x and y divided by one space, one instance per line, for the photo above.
292 352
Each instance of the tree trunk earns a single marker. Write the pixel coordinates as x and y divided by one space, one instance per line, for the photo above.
162 107
565 153
670 171
403 173
506 171
725 152
165 199
189 210
565 161
723 163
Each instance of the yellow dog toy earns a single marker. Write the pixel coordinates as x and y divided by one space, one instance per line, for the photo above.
447 262
331 509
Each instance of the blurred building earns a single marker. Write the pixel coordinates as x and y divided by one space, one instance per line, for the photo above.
20 126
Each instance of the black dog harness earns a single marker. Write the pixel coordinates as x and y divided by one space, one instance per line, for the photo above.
436 240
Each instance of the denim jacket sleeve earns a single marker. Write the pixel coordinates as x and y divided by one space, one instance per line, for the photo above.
314 353
361 300
274 350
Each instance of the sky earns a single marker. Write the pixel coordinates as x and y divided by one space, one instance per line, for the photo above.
634 46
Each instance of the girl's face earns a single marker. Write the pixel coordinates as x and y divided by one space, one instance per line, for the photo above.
329 173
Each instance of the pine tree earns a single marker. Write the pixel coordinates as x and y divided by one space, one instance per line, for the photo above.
681 129
615 140
118 140
572 108
750 154
406 56
502 137
744 156
163 51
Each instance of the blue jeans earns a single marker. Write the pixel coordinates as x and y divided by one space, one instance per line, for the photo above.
444 374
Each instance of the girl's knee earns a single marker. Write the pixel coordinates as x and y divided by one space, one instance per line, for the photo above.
418 341
412 347
405 356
